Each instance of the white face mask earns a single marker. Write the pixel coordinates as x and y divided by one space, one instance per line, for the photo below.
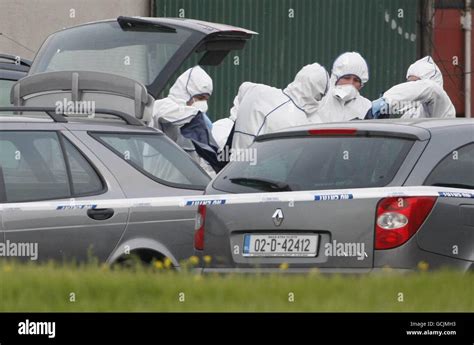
346 92
201 106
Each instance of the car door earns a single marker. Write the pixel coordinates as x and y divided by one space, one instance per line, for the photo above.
148 50
41 164
158 168
449 230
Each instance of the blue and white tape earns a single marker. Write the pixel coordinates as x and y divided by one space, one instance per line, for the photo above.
250 198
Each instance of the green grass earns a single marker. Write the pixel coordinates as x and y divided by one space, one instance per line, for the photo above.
47 287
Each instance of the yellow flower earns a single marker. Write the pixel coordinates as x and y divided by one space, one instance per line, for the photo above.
284 266
158 264
7 268
207 259
423 266
193 260
168 263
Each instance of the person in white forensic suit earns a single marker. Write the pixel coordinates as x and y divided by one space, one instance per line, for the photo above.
264 109
421 96
221 129
344 102
187 99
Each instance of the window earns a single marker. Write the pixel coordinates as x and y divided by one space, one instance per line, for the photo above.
157 157
85 180
106 47
33 167
456 170
316 163
5 87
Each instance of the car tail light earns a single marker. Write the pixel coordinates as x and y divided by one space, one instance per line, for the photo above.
199 227
399 218
333 131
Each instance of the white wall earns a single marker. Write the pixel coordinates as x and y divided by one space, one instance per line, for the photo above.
29 22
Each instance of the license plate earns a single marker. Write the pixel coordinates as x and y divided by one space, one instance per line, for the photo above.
272 245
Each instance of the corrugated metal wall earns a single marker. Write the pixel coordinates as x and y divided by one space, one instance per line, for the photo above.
448 45
293 33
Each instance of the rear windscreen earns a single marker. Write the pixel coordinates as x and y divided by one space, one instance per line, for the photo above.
315 163
106 47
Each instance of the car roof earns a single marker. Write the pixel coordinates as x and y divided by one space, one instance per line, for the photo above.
426 123
97 125
107 126
9 62
108 120
12 67
429 122
420 128
24 119
11 74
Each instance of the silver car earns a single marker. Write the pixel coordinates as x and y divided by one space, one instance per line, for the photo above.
75 160
345 197
105 73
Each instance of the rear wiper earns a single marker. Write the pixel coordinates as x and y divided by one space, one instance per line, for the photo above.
454 185
267 184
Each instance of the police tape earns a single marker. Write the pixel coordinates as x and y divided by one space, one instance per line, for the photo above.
248 198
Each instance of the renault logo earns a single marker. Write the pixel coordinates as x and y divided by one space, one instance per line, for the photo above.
278 217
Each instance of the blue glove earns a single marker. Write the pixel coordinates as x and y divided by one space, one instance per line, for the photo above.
207 120
379 107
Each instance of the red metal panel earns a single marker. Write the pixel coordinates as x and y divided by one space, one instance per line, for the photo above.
449 45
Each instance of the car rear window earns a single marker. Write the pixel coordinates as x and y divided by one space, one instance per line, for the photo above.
106 47
157 157
316 163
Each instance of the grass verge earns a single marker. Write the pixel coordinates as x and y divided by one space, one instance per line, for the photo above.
92 287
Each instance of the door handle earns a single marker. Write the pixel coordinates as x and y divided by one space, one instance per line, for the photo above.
100 213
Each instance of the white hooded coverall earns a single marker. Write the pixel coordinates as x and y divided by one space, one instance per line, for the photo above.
222 128
173 109
265 109
421 98
172 112
344 102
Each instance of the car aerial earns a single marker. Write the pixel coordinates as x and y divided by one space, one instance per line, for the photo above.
349 197
12 68
74 162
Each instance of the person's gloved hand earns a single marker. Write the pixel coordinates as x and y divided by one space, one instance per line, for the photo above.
379 108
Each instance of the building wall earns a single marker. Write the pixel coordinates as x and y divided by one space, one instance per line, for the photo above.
293 33
25 24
